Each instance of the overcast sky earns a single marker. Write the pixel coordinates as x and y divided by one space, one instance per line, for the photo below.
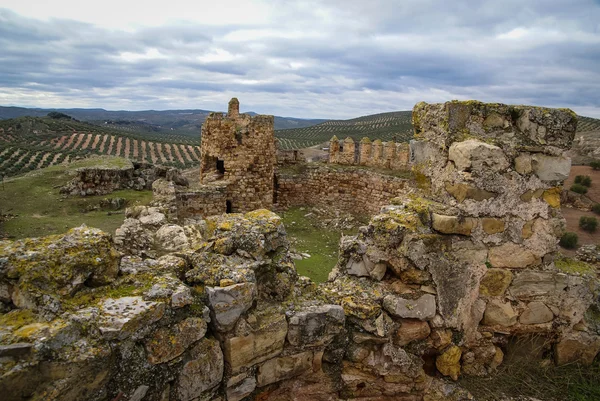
328 59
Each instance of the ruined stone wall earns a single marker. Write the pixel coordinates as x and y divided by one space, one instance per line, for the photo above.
388 155
240 149
352 190
92 181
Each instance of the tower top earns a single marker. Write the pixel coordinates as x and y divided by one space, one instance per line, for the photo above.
234 108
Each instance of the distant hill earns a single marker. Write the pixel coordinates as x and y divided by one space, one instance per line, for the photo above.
385 126
29 143
182 122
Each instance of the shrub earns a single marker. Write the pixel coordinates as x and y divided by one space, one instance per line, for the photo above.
584 180
587 223
580 189
569 240
595 165
596 208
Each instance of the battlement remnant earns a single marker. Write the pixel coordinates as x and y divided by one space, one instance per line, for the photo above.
240 150
388 155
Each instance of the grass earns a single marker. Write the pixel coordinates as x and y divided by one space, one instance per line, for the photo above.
308 237
525 376
39 209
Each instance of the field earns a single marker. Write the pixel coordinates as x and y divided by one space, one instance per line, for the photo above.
29 143
33 207
386 126
572 215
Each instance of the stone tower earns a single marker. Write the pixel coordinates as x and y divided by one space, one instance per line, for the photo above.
239 150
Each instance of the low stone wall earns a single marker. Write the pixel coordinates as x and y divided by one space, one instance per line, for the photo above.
352 190
390 155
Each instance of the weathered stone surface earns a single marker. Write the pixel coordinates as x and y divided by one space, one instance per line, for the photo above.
552 196
122 317
513 256
462 191
453 224
139 393
283 367
240 390
364 267
536 312
481 361
167 343
523 164
551 168
492 225
448 363
528 284
171 238
411 330
59 265
422 308
498 313
577 347
262 343
495 282
16 349
315 326
227 304
202 372
477 156
182 296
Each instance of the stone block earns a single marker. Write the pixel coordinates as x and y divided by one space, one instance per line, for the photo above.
167 343
474 155
202 372
529 284
551 168
122 317
448 362
422 308
577 347
411 330
315 326
492 225
262 343
241 390
462 191
228 303
495 282
512 255
535 313
498 313
284 367
453 224
523 164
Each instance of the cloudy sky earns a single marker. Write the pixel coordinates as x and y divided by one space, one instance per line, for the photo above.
329 59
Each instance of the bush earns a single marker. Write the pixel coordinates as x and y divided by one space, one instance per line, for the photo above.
580 189
595 165
569 240
587 223
596 208
584 180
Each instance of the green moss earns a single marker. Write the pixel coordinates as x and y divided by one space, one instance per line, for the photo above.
17 318
573 266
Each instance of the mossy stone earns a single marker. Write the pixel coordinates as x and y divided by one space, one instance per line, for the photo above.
495 282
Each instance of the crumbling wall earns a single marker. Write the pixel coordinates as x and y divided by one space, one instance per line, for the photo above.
352 190
92 181
240 149
388 155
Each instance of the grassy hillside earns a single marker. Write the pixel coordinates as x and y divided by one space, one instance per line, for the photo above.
385 126
31 205
30 143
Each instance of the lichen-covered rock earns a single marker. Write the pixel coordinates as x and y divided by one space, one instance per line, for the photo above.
551 168
422 308
284 367
474 155
57 265
228 303
453 224
315 325
448 362
202 371
122 317
167 343
495 282
170 238
498 313
264 341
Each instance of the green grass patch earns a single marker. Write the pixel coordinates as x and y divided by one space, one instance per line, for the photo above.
39 209
307 236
